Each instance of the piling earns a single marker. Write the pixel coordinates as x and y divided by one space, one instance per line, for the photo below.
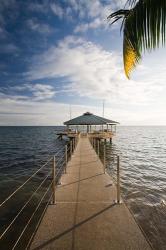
118 180
53 180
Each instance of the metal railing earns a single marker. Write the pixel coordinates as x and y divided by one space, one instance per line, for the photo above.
100 148
54 167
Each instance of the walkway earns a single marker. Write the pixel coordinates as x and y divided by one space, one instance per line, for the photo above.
85 216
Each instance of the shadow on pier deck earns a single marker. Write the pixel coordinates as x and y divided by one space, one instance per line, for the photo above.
85 215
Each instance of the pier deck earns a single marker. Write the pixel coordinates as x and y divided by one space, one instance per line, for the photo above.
85 216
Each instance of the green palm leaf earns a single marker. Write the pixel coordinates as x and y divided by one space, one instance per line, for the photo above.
144 28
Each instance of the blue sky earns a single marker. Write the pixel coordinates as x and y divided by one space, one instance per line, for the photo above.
54 54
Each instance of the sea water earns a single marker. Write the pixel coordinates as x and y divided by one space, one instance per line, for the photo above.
142 152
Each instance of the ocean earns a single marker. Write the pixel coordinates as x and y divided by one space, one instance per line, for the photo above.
142 152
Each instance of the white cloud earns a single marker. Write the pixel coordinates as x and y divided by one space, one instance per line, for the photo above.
9 48
93 72
41 91
34 92
28 112
95 12
38 7
96 23
35 25
57 10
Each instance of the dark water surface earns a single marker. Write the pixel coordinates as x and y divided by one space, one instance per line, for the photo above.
142 152
23 150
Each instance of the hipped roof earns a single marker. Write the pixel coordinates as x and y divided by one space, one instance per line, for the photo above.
89 119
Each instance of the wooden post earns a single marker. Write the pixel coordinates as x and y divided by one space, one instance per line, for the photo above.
104 158
53 181
66 158
118 179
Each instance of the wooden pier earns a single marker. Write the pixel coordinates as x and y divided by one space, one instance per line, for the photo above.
85 215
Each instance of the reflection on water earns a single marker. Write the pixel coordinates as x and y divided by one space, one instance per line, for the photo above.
143 175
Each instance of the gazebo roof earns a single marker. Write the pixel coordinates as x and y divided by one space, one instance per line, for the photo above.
89 119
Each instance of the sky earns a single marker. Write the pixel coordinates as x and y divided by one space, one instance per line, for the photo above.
62 55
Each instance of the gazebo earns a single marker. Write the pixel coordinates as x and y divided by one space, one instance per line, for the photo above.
90 120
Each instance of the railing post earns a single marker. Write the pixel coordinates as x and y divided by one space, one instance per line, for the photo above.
66 158
104 158
98 148
70 149
72 145
118 179
53 181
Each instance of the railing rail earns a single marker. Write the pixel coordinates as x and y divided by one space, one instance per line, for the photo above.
56 166
101 152
21 186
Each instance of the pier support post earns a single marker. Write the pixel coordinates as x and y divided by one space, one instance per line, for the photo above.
118 180
104 158
70 149
66 159
74 143
98 147
53 180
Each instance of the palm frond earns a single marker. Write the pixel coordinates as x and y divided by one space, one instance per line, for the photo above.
144 27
